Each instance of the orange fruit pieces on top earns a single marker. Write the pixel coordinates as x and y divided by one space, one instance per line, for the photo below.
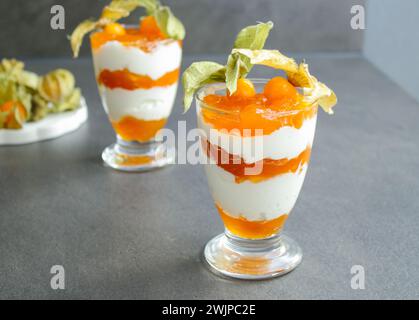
115 29
245 89
150 29
278 95
279 88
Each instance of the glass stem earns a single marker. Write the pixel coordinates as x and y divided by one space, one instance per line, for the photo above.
134 147
250 245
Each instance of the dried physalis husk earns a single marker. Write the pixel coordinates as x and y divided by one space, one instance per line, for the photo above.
168 23
76 38
3 118
24 96
7 89
314 90
197 75
119 9
11 66
113 12
13 70
40 107
326 98
72 102
269 58
301 77
57 85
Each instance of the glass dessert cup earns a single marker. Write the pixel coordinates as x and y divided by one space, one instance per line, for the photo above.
254 204
137 80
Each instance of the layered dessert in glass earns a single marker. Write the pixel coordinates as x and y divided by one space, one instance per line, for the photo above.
256 205
257 136
137 70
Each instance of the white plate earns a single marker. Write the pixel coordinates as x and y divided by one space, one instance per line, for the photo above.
53 126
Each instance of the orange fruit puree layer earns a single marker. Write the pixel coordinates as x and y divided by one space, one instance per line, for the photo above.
132 129
130 81
251 229
134 161
279 105
269 167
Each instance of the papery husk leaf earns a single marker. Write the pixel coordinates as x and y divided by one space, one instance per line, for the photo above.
25 98
57 85
119 9
3 118
314 90
199 74
322 94
76 38
13 70
253 37
250 38
233 73
269 58
71 103
169 24
40 108
301 77
7 90
11 66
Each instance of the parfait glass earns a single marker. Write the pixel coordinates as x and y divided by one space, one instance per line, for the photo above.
137 81
255 178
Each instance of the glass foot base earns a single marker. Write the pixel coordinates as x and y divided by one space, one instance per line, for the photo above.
252 259
138 157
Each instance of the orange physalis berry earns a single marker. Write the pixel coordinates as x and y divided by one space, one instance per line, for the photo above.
115 29
11 121
279 88
245 89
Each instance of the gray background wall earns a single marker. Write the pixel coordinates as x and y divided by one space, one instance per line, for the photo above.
392 41
301 25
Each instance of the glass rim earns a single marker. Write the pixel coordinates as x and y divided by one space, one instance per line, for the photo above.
200 98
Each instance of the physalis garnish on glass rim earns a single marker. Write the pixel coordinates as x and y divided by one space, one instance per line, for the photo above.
247 52
118 9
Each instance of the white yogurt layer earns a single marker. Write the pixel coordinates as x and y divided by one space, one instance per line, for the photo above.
146 104
266 200
166 57
284 143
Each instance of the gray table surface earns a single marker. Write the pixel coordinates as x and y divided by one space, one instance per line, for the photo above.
141 235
